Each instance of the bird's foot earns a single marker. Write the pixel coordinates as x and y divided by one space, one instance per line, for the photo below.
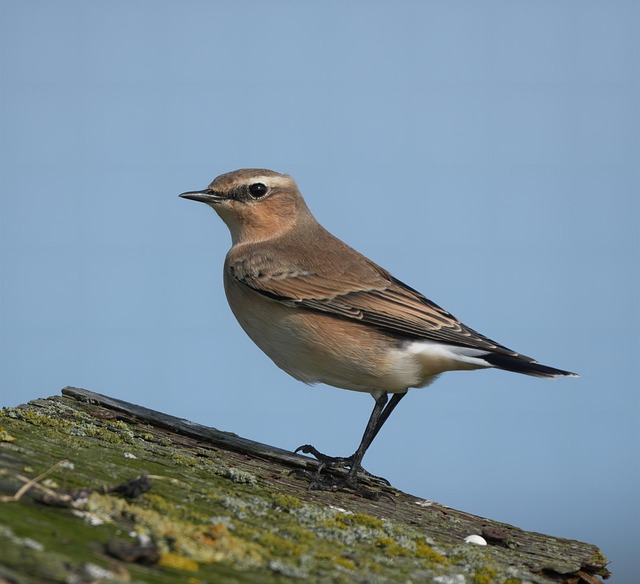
327 461
333 484
341 463
338 462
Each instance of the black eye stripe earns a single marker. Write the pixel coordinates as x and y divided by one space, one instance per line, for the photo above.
258 190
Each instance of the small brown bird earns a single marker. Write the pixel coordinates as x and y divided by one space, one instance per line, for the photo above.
325 313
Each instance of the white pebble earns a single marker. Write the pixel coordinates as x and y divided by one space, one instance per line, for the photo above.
477 539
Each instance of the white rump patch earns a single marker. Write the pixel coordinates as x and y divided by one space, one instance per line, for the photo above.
437 357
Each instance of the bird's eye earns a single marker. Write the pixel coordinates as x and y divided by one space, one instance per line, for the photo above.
258 190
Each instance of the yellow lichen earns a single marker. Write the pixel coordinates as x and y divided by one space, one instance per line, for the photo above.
365 520
484 575
346 563
391 547
183 460
178 562
42 420
286 501
425 551
5 436
199 543
346 520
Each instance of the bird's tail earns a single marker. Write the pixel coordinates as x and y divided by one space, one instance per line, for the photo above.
526 365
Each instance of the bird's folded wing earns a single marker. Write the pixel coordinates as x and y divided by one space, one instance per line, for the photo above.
375 298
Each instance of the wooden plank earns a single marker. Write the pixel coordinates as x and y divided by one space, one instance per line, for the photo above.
540 553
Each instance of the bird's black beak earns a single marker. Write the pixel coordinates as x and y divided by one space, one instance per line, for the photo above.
206 196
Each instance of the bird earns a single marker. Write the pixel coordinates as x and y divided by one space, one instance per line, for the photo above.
325 313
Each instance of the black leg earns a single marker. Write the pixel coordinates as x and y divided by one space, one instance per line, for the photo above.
381 412
395 400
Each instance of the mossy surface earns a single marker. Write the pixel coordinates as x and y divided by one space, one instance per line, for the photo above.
211 515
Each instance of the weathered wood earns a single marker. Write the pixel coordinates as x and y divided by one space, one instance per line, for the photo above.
513 555
225 440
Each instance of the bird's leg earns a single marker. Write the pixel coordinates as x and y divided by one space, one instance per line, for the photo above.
355 459
386 412
381 412
378 418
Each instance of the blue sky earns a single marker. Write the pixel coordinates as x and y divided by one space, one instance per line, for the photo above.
485 153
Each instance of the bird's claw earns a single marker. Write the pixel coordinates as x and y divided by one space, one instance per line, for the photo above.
330 461
339 462
329 483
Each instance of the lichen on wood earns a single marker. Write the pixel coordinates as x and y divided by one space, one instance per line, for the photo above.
217 507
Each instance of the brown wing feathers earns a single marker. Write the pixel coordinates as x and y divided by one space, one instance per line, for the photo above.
382 301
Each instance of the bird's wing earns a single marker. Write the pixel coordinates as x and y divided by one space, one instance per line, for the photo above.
374 298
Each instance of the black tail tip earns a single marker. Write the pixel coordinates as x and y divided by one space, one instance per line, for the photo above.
525 365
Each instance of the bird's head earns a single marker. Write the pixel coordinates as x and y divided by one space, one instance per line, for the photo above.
256 204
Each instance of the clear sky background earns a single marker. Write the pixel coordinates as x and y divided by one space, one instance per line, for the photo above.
486 153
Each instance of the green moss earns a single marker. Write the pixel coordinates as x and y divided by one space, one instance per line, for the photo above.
598 559
362 519
484 575
279 546
182 460
116 425
300 534
333 523
348 520
286 502
346 563
391 547
17 552
159 503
